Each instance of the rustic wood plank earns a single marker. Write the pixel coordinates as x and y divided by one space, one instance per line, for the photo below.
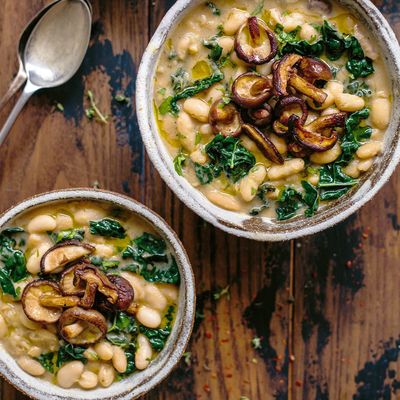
346 325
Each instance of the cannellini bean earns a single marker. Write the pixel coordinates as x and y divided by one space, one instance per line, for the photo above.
248 188
183 46
227 44
206 129
369 150
328 156
154 298
69 374
265 69
34 351
31 366
84 215
352 169
349 102
171 292
329 111
276 16
329 101
380 112
216 92
91 354
199 157
104 250
25 321
64 222
366 45
279 143
258 173
290 167
308 32
248 144
292 21
41 223
3 327
144 352
235 20
137 283
223 200
365 165
104 350
33 263
313 179
187 131
119 360
38 239
106 375
196 108
148 317
334 87
88 380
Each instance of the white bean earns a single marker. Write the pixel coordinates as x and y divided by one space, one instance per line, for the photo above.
148 317
106 375
154 298
143 353
41 223
380 112
334 87
64 222
38 239
199 157
349 102
69 374
248 188
31 366
3 327
369 150
119 360
196 108
104 250
91 354
313 179
171 292
88 380
34 352
223 200
292 21
328 156
104 350
352 169
33 263
290 167
235 20
216 92
365 165
279 143
187 131
308 32
84 215
206 129
329 101
137 283
227 44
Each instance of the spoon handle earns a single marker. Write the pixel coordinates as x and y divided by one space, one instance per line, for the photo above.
25 96
16 84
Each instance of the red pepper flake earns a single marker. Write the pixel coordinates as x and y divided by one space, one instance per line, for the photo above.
229 375
208 335
299 383
292 358
349 264
206 388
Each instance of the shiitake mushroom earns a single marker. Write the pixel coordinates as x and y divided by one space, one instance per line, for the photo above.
225 118
261 116
284 108
251 90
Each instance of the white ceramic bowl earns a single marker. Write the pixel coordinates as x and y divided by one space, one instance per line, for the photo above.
139 383
263 228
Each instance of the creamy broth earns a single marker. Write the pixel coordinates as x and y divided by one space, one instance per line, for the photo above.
89 293
203 45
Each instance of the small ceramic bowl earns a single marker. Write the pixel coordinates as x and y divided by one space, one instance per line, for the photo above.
139 383
264 228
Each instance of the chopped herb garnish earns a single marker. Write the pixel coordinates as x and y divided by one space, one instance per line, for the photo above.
93 111
179 162
215 10
222 292
256 342
121 98
60 107
70 234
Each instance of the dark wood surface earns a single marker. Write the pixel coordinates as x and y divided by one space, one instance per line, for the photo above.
325 308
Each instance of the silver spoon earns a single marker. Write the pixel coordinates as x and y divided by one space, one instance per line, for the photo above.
54 51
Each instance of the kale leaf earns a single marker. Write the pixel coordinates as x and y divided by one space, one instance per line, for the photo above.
214 9
333 182
48 361
70 234
107 227
123 330
179 162
70 352
104 265
310 198
288 203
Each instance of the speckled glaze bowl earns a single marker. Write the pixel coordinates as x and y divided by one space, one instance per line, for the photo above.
262 228
139 383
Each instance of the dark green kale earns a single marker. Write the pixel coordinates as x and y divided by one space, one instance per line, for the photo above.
179 162
179 80
123 330
359 88
107 227
214 9
70 234
216 49
48 361
310 198
70 352
288 203
333 182
104 265
262 195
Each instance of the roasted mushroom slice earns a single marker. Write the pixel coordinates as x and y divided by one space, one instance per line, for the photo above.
328 121
82 327
282 71
32 305
261 116
308 89
255 43
297 150
58 256
263 143
314 70
125 292
68 280
225 119
311 139
251 90
284 109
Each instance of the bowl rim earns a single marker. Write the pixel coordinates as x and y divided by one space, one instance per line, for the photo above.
263 229
177 342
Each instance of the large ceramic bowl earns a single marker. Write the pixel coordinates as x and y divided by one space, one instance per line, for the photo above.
263 228
139 383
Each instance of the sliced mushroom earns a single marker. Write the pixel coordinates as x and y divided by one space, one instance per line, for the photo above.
31 303
328 121
225 119
308 89
311 139
283 71
255 43
125 292
251 90
260 117
263 143
314 69
82 327
297 150
284 109
67 281
58 256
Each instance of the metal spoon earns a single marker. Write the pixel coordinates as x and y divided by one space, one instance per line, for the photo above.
54 51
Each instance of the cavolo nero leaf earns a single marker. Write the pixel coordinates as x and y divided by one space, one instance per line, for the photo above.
310 198
107 227
179 162
70 352
288 203
70 234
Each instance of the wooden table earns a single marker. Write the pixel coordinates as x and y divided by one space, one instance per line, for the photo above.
322 312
